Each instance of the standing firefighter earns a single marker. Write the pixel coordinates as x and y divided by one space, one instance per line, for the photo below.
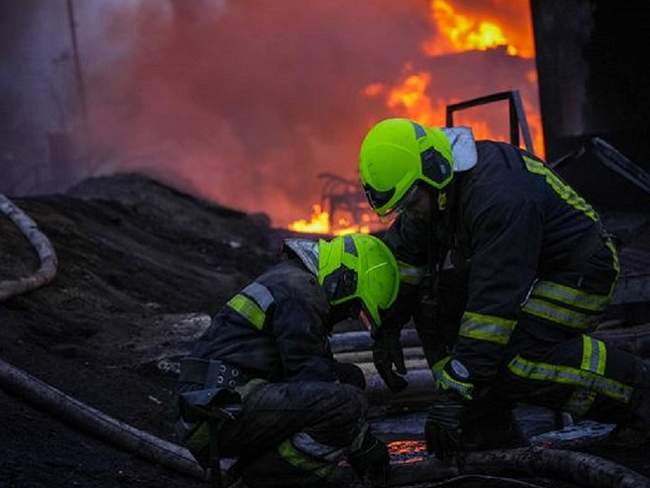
537 270
261 383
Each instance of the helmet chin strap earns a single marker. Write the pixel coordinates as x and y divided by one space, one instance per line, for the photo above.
437 203
442 200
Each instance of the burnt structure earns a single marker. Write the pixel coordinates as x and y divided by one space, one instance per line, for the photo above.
341 197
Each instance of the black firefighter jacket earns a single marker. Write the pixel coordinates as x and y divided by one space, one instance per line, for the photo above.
276 328
510 220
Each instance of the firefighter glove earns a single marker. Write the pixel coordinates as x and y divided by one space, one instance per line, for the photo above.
386 353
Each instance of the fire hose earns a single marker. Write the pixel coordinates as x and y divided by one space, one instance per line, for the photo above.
48 260
579 468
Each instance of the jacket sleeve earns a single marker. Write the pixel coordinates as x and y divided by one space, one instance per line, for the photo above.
407 238
506 238
301 338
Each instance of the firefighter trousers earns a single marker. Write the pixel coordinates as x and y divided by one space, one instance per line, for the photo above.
552 360
290 434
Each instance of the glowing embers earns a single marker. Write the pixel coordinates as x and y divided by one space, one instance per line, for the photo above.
408 451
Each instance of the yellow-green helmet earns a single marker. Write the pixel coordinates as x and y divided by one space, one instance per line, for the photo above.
395 154
358 266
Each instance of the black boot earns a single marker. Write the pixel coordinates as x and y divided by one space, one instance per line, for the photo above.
636 431
493 430
371 461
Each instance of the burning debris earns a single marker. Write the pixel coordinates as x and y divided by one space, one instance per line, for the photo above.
343 210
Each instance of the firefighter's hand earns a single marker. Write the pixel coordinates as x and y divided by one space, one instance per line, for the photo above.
350 374
443 429
386 353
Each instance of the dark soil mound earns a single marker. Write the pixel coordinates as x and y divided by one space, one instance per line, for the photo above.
140 265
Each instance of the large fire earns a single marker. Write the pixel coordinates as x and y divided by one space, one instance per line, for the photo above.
180 90
414 96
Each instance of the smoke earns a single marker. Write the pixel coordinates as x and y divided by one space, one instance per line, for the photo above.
246 102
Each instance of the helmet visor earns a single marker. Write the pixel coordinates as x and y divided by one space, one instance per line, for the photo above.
378 198
407 200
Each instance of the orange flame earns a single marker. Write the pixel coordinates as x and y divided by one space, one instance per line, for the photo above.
458 32
319 223
410 99
464 32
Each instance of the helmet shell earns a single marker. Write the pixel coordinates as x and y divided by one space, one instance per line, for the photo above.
359 266
395 154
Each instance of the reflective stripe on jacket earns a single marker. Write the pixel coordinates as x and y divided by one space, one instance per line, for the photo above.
275 328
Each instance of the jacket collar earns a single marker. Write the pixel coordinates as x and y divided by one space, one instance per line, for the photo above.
463 147
307 252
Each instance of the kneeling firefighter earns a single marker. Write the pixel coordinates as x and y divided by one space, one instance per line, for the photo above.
261 383
522 270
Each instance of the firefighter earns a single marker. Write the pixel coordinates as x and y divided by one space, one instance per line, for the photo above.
521 269
261 383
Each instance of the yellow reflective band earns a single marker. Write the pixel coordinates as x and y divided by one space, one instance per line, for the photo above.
248 309
444 381
570 296
564 191
580 402
570 376
594 355
410 274
486 328
558 314
301 461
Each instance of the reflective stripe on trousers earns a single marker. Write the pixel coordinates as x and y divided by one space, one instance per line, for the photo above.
305 453
589 377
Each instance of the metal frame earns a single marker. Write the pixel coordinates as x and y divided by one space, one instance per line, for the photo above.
518 120
341 194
